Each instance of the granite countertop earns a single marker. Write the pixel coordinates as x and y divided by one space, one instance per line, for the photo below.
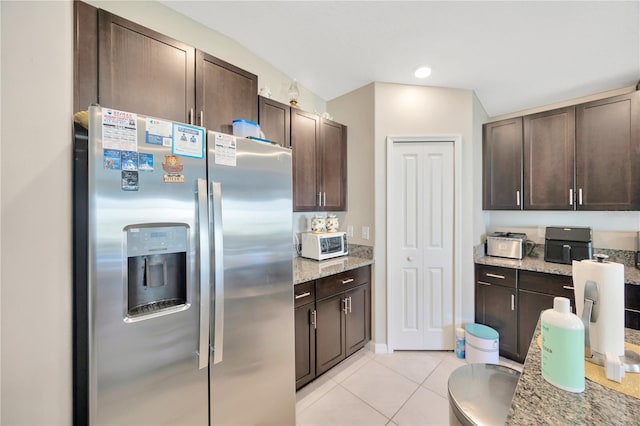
535 262
308 269
538 402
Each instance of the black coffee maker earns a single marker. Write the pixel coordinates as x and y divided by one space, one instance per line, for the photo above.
563 245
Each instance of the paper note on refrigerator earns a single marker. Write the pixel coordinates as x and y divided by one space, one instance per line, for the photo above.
225 152
119 130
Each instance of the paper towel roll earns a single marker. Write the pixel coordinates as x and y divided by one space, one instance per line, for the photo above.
607 333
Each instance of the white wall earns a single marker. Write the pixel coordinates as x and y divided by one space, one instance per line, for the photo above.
425 111
35 206
356 111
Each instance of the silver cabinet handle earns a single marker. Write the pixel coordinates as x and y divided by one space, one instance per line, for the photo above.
513 302
349 304
205 270
201 118
483 283
570 196
580 196
518 198
495 276
191 116
314 319
300 296
320 199
344 306
568 287
347 281
324 199
218 258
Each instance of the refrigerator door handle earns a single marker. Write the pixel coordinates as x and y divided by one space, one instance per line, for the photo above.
203 244
218 336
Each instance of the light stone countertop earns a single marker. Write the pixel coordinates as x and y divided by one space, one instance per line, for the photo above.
535 262
308 269
538 402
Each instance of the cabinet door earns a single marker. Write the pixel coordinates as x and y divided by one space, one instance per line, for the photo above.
502 165
496 307
305 337
608 153
549 151
275 121
330 341
305 136
530 305
224 93
358 319
143 71
333 159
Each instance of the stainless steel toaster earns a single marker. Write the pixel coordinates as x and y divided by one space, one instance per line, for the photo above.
506 244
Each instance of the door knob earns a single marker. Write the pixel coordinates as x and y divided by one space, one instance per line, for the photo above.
409 258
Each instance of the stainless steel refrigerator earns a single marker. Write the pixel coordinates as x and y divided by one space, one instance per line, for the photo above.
183 287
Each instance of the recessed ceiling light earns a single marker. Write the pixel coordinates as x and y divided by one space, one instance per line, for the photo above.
423 72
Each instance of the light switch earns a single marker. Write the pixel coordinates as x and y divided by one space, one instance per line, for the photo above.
350 231
365 232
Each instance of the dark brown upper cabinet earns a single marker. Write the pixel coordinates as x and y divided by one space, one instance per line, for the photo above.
319 163
502 165
275 121
333 158
142 71
549 152
224 93
608 153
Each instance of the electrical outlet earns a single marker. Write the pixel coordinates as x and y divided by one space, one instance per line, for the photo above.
350 231
365 232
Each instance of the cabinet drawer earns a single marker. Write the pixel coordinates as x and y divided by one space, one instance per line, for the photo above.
496 275
304 293
338 283
553 285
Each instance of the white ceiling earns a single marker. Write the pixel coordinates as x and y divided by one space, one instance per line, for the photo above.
514 55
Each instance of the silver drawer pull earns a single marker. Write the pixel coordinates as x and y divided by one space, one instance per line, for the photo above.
483 283
568 287
347 281
495 276
300 296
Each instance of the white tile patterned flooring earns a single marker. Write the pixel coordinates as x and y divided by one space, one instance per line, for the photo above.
401 388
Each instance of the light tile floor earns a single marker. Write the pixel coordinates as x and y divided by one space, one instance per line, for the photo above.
402 388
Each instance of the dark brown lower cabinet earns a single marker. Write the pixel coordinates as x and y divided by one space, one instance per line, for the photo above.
536 292
496 308
305 344
343 326
330 334
335 326
358 318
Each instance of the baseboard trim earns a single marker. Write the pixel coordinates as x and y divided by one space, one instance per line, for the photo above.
380 348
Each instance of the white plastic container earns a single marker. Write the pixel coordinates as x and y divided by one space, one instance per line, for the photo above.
246 128
481 344
562 361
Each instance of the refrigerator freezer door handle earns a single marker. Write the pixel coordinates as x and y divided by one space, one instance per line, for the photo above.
218 336
203 244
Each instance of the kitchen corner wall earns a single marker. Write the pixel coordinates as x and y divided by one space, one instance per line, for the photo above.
376 111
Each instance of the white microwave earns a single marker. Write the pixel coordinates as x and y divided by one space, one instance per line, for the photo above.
325 245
